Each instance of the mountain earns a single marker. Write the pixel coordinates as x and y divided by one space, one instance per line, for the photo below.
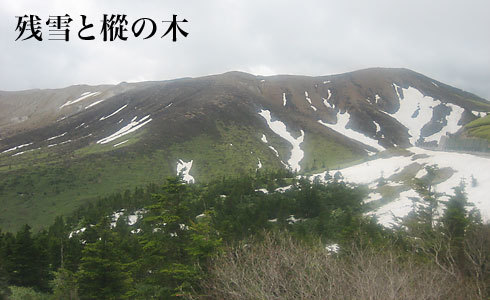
60 148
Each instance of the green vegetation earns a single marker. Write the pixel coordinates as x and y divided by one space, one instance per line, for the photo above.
39 185
225 238
479 128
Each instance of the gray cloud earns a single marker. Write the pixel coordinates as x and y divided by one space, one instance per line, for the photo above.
446 40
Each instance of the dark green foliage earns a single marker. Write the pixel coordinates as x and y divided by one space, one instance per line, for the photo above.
102 274
167 253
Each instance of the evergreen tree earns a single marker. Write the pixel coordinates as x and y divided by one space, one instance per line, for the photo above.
102 274
29 263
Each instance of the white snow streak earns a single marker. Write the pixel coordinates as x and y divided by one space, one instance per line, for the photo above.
119 144
16 148
103 118
93 104
82 97
131 127
57 136
307 98
340 127
284 100
280 129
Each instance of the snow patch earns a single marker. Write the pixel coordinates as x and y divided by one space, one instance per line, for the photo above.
16 148
412 102
332 248
57 136
259 165
131 127
465 166
93 104
373 197
283 189
387 213
326 81
185 168
82 97
265 191
264 138
103 118
307 98
452 123
119 144
280 129
284 100
340 127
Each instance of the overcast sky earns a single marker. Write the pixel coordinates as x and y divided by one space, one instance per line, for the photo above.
447 40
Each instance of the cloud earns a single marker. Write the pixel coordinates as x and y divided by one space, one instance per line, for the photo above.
446 40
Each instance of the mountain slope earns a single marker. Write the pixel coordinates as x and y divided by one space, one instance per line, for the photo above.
60 148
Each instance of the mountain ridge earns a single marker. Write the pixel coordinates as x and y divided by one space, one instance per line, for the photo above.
110 137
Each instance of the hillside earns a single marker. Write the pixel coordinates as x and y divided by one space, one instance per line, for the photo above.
61 148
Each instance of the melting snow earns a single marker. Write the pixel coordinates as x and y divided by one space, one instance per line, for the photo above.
329 94
434 84
340 127
259 165
82 97
79 125
103 118
131 127
264 138
76 232
283 189
93 104
16 148
452 123
333 248
378 128
284 100
413 101
185 168
464 165
265 191
326 81
397 208
57 136
119 144
280 129
325 102
307 98
377 98
373 197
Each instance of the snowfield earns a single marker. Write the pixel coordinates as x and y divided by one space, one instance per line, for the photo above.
465 167
416 110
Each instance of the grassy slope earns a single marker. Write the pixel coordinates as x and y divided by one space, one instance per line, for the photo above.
37 186
479 128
